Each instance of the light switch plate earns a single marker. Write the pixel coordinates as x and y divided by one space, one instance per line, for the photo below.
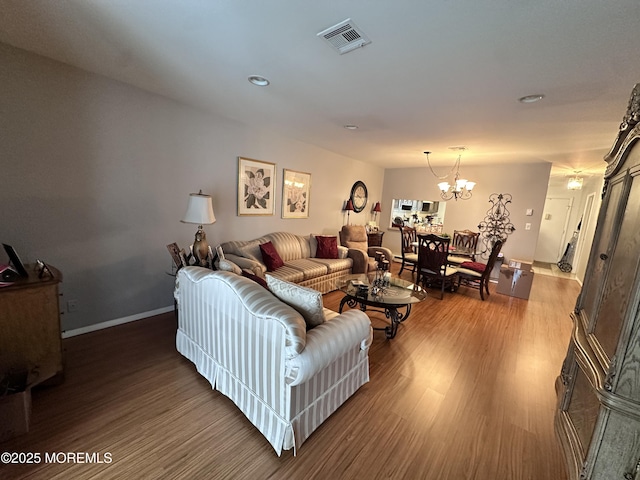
529 212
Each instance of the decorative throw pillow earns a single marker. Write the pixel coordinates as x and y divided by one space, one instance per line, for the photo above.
271 257
250 250
255 278
229 266
307 301
327 247
475 266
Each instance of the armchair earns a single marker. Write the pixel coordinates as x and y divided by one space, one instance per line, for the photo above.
354 237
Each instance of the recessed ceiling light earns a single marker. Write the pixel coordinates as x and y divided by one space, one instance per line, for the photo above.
531 98
351 127
258 80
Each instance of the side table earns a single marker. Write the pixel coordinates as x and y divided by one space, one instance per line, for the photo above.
375 239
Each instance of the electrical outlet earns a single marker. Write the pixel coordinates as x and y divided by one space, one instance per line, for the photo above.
527 226
72 306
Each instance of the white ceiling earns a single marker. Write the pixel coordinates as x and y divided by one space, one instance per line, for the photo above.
438 73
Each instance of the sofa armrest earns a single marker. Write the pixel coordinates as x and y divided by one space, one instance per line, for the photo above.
247 263
360 260
329 341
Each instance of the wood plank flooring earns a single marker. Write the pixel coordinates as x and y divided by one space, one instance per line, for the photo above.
465 391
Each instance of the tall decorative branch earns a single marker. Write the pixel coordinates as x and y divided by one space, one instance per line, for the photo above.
496 224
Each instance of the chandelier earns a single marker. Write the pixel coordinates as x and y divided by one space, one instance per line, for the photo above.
575 183
461 187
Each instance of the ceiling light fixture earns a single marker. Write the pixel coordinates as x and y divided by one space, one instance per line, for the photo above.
531 98
258 80
575 183
461 187
351 127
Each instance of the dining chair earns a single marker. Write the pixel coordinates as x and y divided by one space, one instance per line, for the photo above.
463 246
433 267
409 255
477 275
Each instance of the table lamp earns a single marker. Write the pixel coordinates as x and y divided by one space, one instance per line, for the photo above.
376 210
349 208
200 212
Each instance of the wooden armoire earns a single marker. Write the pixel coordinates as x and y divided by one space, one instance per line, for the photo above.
598 414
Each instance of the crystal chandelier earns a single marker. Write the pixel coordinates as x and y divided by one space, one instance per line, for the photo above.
575 183
461 187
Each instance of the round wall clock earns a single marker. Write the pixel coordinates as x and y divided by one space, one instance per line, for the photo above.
359 196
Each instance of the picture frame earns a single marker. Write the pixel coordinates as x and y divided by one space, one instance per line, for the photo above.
174 250
184 258
256 187
15 260
43 268
296 190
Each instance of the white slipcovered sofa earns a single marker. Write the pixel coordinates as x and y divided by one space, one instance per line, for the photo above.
258 351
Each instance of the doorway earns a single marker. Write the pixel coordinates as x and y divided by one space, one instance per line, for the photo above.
553 230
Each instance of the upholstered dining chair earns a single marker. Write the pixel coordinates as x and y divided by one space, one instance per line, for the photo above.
463 247
476 275
409 249
433 267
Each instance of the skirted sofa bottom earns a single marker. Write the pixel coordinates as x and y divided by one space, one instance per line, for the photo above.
307 412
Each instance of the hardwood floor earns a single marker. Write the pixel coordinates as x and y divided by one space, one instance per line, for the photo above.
465 391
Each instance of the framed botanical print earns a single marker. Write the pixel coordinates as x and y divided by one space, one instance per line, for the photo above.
296 187
256 187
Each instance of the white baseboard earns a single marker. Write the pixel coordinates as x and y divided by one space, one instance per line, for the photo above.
113 323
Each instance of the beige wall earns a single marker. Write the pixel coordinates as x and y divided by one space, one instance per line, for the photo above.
527 183
96 176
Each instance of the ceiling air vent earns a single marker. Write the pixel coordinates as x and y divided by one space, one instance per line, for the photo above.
345 36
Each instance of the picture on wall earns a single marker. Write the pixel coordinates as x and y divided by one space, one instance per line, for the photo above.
256 187
295 194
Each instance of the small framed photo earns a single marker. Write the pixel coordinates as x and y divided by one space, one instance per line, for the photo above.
175 254
43 269
256 187
296 188
184 258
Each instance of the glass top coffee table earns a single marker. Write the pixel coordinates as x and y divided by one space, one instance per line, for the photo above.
360 291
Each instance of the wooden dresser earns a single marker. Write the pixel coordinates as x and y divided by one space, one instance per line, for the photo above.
30 324
598 415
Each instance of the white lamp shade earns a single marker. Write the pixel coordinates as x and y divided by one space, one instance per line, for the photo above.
199 210
470 186
443 186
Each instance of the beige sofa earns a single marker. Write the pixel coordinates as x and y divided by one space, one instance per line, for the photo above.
258 350
300 263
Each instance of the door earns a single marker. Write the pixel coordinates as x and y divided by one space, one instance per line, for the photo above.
553 229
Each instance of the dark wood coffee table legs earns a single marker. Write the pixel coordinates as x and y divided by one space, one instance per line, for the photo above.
391 312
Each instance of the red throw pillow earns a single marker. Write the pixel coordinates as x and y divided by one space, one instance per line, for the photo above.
475 266
327 247
255 278
270 256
